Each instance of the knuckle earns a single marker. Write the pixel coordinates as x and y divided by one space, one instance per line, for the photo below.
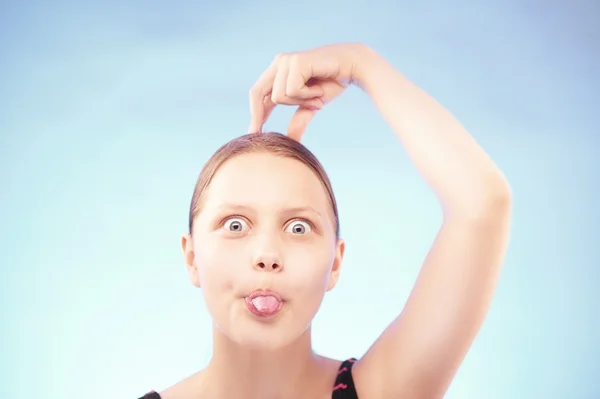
282 98
294 59
277 98
293 91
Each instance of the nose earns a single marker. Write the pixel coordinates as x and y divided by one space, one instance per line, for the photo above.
267 252
267 256
268 263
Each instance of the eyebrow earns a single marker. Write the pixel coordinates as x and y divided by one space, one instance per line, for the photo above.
296 209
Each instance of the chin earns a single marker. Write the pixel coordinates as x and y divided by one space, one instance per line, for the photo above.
261 345
272 336
256 340
268 335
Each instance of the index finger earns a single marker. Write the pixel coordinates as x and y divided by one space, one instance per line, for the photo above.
262 88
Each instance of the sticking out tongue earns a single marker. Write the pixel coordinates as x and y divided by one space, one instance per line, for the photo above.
265 304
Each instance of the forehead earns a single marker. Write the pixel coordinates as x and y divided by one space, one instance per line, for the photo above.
264 180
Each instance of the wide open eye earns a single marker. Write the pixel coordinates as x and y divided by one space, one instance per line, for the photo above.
235 225
298 227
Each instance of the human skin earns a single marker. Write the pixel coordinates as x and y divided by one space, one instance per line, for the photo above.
419 353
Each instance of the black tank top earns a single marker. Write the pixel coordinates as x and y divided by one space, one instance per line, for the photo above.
342 389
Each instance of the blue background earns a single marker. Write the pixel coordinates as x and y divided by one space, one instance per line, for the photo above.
109 110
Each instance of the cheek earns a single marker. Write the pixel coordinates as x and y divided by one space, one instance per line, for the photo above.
309 269
225 265
219 269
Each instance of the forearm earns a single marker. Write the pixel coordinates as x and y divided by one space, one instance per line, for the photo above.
462 175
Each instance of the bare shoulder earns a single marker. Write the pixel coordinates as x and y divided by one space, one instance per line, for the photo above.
325 376
330 367
186 388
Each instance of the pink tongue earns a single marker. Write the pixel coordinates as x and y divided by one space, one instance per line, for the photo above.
266 304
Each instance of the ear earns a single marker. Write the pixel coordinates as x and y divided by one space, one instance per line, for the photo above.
187 245
340 248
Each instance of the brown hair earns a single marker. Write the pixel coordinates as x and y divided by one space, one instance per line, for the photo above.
273 143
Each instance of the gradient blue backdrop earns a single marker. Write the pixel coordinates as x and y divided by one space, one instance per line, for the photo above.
109 110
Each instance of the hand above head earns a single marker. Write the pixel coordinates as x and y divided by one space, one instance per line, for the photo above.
306 79
453 292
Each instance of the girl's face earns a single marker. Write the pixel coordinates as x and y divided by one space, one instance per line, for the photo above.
266 223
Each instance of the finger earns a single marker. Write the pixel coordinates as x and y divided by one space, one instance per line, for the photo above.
298 76
299 122
268 106
278 95
302 117
261 88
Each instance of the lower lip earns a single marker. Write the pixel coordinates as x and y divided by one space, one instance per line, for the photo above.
262 314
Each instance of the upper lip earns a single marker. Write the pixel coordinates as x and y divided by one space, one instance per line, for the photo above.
263 292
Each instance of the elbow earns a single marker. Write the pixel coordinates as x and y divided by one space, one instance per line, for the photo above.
497 195
491 201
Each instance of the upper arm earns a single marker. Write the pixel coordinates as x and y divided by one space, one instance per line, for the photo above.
419 353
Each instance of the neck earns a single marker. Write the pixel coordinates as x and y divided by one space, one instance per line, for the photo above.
236 372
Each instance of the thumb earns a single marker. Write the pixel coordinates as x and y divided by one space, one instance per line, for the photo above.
302 117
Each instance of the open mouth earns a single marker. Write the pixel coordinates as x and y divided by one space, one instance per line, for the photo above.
264 304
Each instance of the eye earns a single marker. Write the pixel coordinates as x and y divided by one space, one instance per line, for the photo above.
235 225
298 227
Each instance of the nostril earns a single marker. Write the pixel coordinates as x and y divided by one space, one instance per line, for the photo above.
272 266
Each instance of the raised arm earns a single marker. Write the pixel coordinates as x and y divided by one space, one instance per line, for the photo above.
418 355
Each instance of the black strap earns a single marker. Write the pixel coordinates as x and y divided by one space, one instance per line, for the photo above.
151 395
344 383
